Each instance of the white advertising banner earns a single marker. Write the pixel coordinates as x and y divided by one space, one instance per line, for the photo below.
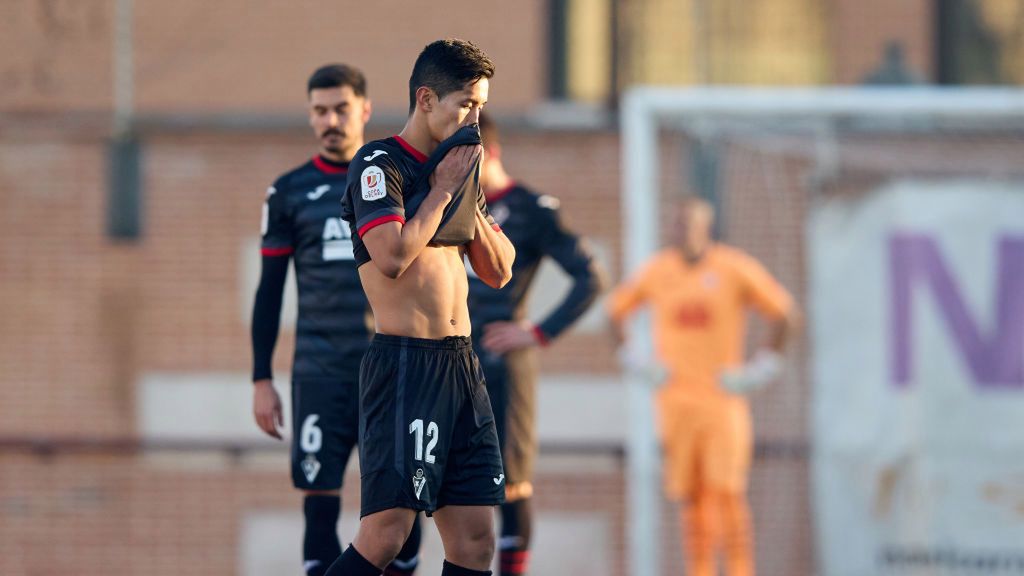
917 301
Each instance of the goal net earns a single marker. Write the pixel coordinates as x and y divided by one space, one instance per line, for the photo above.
895 216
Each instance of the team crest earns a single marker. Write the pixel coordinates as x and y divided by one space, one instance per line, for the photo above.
372 183
710 280
310 467
418 482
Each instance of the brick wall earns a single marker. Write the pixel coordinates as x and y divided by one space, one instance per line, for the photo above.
233 56
236 56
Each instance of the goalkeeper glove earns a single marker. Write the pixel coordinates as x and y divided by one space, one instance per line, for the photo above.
647 368
762 369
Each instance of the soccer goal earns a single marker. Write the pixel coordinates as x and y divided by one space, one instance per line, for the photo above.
896 217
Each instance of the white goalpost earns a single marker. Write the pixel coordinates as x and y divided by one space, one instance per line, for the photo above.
839 138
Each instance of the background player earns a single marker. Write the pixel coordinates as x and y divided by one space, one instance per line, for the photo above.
507 342
699 292
302 219
428 440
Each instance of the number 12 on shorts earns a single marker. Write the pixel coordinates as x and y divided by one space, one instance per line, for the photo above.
416 429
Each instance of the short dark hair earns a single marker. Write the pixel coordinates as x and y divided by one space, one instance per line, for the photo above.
446 66
488 130
336 76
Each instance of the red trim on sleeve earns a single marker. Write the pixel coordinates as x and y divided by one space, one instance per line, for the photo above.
539 335
513 567
378 221
419 156
514 562
326 168
276 251
499 194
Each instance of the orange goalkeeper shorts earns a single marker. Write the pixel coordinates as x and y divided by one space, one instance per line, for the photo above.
707 441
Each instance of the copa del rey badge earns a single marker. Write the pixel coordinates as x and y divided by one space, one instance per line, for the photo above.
372 182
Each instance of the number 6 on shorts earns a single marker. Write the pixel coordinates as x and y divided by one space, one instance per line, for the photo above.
311 437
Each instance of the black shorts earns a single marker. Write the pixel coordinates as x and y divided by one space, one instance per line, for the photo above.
426 431
325 429
512 386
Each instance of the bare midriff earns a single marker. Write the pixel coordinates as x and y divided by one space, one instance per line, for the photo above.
428 300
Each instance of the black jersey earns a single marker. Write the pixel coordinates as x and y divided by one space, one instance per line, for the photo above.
533 224
381 170
302 218
389 176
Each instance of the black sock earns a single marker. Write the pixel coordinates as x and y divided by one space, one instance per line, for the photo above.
320 544
514 544
352 563
408 558
453 570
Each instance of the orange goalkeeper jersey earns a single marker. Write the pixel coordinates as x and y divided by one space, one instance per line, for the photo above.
699 310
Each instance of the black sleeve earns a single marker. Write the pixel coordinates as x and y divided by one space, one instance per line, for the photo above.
374 194
276 228
572 254
266 314
481 202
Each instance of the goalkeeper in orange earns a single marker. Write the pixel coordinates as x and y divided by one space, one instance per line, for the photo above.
699 292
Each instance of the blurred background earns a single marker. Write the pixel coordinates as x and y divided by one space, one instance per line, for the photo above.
137 139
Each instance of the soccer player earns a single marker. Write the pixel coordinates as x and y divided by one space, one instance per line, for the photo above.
507 341
699 293
302 220
427 433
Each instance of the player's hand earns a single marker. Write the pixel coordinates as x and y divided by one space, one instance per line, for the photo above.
266 407
762 369
451 172
646 367
502 337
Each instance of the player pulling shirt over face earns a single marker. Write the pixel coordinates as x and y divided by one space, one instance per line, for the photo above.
450 413
394 179
427 435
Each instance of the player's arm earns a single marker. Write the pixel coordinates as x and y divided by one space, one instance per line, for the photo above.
574 257
491 252
781 330
762 291
774 303
393 242
626 299
266 318
266 314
